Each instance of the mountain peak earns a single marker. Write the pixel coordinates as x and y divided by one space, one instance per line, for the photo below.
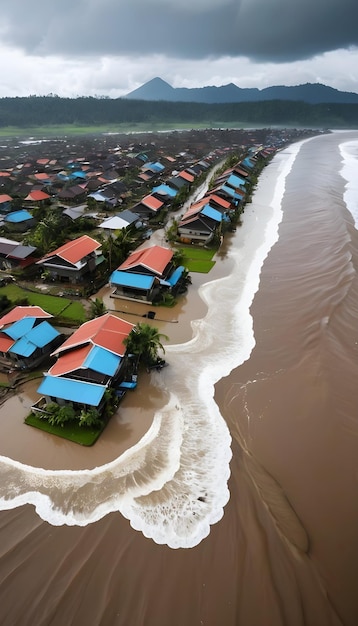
313 93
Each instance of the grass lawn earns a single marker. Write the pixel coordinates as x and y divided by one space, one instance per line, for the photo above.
145 127
83 435
198 259
56 306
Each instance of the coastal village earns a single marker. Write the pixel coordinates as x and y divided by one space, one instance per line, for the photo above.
79 215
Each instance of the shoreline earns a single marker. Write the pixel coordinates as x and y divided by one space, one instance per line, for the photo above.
182 462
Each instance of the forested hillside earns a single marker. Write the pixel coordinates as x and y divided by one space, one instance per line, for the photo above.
53 110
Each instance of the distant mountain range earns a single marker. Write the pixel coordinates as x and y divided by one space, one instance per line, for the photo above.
311 93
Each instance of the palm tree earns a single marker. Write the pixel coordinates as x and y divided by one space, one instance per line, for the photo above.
98 308
116 249
145 341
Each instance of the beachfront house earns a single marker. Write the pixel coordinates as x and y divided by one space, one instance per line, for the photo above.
146 275
200 224
26 338
75 261
92 360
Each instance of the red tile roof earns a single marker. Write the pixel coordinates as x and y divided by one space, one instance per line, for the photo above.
107 331
189 177
5 198
19 312
152 202
154 258
224 203
5 343
37 195
74 251
41 176
70 361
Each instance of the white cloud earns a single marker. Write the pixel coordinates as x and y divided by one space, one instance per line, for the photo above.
111 76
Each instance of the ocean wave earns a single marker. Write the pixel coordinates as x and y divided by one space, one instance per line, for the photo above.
173 485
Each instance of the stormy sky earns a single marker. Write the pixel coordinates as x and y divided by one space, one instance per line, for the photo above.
110 47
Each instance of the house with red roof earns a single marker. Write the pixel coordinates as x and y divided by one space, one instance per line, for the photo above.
147 274
5 203
149 206
200 223
74 261
93 359
37 195
26 338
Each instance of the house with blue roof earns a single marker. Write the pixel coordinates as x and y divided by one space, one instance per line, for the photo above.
200 224
93 359
147 274
26 338
19 220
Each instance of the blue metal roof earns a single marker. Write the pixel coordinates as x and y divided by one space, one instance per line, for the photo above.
129 279
78 174
236 181
16 217
208 211
23 347
37 337
102 361
230 192
72 390
158 167
173 279
20 328
248 163
165 190
42 334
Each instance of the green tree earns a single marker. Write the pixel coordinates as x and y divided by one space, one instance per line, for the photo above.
98 308
116 249
90 418
145 341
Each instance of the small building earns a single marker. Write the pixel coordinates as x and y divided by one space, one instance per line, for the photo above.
92 360
146 275
26 338
200 224
74 261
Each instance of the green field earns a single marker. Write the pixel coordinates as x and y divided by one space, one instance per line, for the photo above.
198 259
56 306
62 130
72 432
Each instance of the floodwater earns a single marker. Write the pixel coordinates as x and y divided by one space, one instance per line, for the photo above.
236 503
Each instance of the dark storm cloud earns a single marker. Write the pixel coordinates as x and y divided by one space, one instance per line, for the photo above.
264 30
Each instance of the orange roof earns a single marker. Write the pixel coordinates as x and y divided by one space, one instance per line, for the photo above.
224 203
41 176
70 361
189 177
5 342
154 258
151 202
5 198
5 174
19 312
37 195
74 251
107 331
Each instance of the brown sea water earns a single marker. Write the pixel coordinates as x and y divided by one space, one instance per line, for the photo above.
282 549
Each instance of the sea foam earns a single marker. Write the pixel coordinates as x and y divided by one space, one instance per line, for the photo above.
349 153
173 485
